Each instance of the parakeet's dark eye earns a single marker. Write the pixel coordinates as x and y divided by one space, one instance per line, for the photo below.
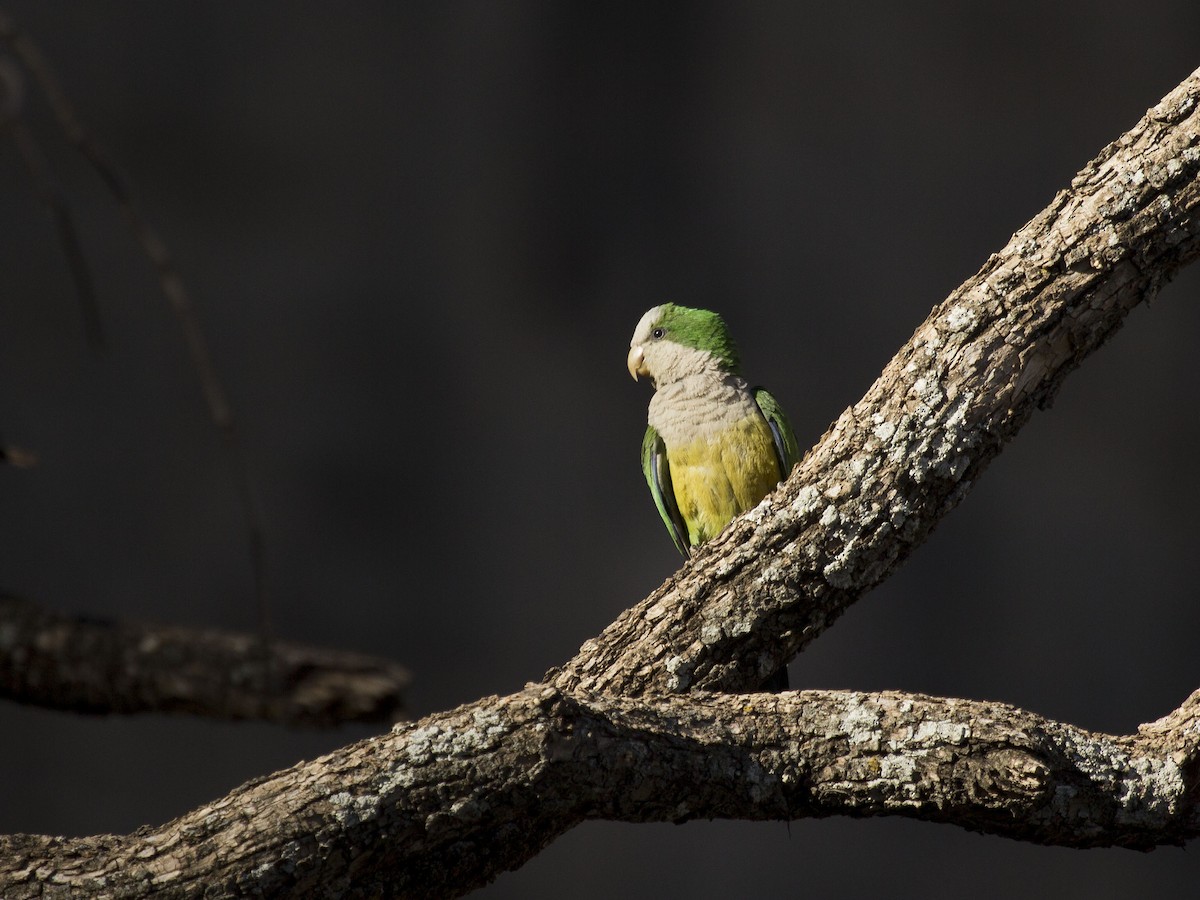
657 333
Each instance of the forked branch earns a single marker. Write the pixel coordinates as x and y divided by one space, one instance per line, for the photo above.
623 731
442 806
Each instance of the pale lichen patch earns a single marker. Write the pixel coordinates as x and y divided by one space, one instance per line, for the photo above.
350 810
960 318
861 723
679 671
900 768
808 500
772 573
1151 789
942 732
929 392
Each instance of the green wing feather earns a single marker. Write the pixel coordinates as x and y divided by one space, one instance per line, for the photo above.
658 477
787 449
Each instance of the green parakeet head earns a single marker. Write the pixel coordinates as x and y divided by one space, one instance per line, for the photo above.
673 342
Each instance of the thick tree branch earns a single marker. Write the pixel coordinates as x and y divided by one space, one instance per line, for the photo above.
93 666
445 804
439 807
896 462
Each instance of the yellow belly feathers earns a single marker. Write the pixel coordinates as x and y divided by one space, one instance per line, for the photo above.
722 475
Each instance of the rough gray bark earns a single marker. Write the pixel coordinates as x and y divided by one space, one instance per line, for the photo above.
95 666
441 806
622 731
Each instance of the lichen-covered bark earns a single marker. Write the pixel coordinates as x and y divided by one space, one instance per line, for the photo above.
897 461
622 731
94 666
441 806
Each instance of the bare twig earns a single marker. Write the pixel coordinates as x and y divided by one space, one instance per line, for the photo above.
220 411
93 666
12 93
18 457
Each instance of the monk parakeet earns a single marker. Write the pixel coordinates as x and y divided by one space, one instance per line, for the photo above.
714 446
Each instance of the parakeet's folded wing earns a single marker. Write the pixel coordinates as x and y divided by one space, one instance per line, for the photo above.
787 449
658 477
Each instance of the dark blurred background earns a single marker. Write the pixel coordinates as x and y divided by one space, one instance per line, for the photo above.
420 235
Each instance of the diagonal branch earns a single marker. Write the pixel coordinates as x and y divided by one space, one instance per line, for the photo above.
440 807
896 462
94 666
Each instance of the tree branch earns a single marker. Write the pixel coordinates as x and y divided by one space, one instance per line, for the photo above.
94 666
445 804
439 807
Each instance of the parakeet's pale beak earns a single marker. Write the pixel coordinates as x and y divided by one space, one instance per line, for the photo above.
637 362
